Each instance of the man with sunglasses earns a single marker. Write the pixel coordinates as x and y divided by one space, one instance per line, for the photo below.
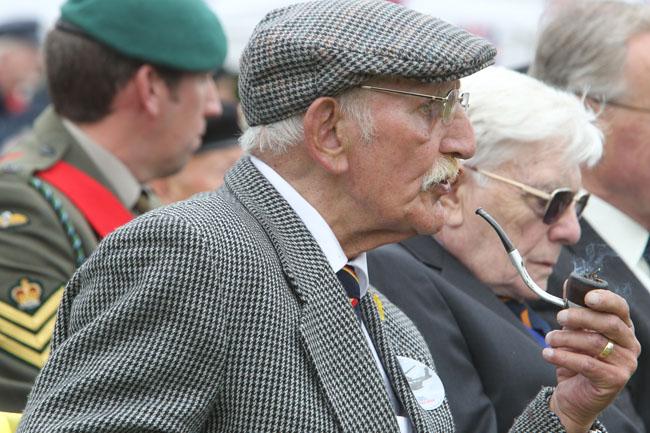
599 49
459 286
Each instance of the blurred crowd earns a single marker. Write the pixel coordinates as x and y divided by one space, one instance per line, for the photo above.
295 247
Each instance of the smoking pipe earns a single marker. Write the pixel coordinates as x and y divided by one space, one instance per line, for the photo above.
575 287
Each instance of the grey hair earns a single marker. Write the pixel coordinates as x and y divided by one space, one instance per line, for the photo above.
279 136
515 115
582 46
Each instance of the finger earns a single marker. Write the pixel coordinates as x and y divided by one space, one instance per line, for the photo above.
609 302
592 344
602 375
564 373
609 325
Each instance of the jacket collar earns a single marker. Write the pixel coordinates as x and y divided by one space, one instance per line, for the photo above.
331 335
431 253
52 142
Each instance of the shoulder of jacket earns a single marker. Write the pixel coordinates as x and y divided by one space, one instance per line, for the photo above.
40 148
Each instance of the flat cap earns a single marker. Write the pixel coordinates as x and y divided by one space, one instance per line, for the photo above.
22 30
322 48
181 34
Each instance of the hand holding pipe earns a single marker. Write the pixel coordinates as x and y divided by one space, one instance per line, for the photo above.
575 287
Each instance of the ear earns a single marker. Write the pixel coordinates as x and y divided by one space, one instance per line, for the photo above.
150 89
321 138
453 202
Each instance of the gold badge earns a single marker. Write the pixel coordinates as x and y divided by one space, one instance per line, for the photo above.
380 306
10 219
27 294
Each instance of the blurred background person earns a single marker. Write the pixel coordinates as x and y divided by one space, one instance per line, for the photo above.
206 169
459 286
601 50
22 89
130 96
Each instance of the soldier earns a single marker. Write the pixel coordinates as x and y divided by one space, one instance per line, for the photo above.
205 171
129 103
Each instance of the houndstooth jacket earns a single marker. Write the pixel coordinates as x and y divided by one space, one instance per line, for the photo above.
221 314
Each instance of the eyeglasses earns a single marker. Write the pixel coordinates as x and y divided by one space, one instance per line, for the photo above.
621 105
557 202
448 102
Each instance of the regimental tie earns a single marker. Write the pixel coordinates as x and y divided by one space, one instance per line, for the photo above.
536 326
350 282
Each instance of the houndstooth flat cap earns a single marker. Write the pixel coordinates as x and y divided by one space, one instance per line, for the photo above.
321 48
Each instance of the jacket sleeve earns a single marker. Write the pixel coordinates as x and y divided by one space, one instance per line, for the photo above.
33 243
139 341
537 417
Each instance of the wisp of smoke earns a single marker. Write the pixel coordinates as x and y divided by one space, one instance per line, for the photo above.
595 257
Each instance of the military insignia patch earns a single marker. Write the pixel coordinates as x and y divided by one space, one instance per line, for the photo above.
27 294
10 219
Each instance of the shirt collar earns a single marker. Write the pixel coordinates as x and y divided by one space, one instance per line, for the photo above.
626 237
125 185
316 225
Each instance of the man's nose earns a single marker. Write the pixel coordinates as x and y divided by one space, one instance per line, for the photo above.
213 107
566 230
459 140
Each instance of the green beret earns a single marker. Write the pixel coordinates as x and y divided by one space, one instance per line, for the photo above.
180 34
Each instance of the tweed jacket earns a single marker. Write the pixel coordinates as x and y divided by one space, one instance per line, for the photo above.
622 280
221 314
489 363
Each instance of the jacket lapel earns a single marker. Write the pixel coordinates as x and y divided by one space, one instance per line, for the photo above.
434 255
374 319
333 341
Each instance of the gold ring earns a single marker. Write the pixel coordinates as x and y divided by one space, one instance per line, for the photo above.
607 350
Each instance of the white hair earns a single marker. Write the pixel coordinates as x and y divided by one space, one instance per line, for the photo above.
513 115
279 136
582 46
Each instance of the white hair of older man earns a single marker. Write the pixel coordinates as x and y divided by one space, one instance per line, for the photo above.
514 115
582 46
279 136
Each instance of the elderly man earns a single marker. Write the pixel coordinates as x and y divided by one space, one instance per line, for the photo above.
461 289
129 101
600 50
224 313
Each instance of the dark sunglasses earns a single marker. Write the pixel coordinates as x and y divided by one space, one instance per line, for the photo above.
556 202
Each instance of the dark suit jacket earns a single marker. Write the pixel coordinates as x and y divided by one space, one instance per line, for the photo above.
489 363
622 280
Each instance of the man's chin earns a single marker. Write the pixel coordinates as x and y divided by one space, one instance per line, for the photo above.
434 221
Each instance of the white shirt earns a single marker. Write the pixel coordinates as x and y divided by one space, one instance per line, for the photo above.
626 237
125 185
334 254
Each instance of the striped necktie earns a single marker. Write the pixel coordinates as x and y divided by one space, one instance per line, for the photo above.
536 326
350 282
